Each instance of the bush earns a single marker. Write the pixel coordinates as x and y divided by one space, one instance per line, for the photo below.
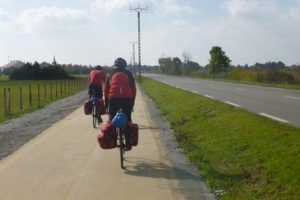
198 74
36 72
266 76
296 73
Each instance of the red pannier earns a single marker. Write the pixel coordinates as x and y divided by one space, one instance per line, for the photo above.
87 107
132 131
101 107
107 136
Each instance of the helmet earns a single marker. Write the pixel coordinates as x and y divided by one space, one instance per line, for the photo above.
98 67
120 62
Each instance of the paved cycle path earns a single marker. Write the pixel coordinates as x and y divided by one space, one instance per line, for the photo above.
65 162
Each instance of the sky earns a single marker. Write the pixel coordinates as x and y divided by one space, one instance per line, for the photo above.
96 32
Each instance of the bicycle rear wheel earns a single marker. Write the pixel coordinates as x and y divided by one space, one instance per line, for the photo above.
122 147
94 115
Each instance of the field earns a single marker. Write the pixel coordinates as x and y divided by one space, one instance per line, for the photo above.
17 98
241 155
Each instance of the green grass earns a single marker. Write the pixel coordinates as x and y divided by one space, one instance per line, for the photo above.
64 88
80 75
242 154
3 78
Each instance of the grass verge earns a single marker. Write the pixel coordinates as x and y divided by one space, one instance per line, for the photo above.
240 154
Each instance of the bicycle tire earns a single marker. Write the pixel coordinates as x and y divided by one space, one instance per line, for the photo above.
122 147
94 115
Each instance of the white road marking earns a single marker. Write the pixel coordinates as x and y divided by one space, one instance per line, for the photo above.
195 92
274 118
241 89
291 97
209 96
233 104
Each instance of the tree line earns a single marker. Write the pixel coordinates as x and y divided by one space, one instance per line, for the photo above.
37 71
220 66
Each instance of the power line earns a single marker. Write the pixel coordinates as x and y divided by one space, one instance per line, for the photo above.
139 10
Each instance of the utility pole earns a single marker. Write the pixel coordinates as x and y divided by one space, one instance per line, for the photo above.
139 10
133 57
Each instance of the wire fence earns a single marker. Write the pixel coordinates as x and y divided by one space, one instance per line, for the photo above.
21 96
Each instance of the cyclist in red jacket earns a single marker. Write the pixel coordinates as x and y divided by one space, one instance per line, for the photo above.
96 81
120 90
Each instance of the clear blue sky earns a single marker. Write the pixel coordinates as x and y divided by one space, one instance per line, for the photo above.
98 31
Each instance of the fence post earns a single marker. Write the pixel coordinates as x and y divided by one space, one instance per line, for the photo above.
74 86
56 92
21 98
61 90
5 103
65 87
39 94
8 100
45 91
51 90
30 96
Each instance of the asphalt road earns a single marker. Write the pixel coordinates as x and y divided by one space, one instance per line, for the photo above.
278 104
66 162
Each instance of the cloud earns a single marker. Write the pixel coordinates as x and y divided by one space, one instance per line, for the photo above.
110 6
179 22
251 9
171 7
165 6
5 21
293 16
52 18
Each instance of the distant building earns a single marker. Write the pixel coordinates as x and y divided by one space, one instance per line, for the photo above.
13 63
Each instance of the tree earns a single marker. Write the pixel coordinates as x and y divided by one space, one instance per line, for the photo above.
36 72
186 58
177 63
167 66
218 62
193 66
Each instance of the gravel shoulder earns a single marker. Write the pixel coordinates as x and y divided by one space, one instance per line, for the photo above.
16 132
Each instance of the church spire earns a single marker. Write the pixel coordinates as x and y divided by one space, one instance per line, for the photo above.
54 61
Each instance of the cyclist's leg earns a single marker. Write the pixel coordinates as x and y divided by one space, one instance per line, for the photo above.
113 106
127 108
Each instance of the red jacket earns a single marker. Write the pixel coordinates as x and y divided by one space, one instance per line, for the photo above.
120 84
97 77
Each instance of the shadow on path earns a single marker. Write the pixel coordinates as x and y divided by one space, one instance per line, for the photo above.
150 168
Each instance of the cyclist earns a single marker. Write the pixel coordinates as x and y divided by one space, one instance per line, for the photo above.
96 81
120 90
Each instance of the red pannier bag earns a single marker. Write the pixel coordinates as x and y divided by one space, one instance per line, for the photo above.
87 107
107 137
132 134
101 107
